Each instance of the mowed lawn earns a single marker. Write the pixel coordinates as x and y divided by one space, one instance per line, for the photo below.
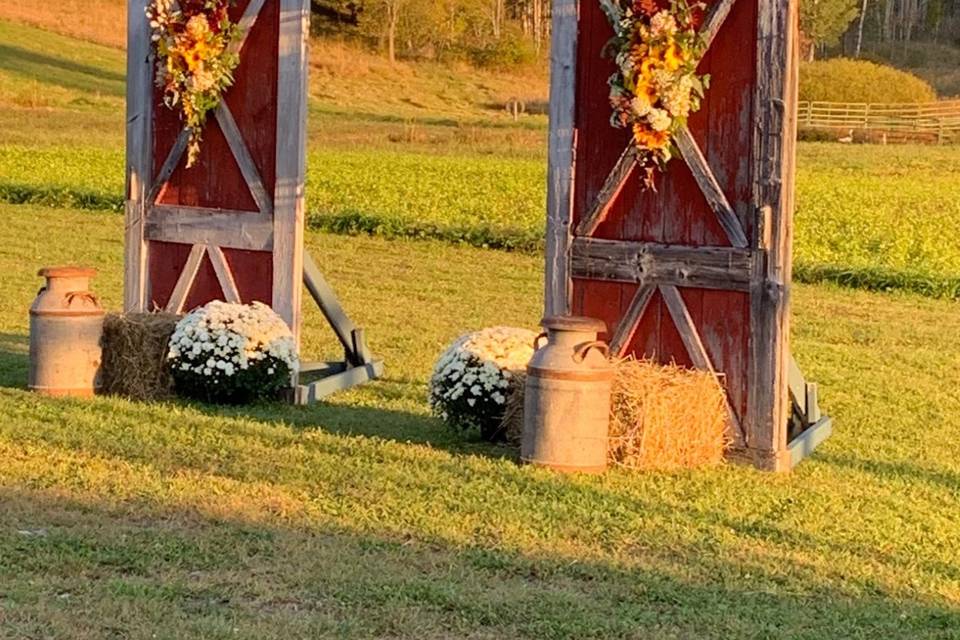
363 517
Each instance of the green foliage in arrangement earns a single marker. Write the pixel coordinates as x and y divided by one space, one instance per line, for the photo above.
846 80
364 517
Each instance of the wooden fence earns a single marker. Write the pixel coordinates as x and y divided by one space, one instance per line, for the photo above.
931 121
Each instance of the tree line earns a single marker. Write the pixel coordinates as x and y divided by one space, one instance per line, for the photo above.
514 32
494 32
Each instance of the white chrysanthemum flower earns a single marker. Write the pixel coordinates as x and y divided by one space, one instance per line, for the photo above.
468 388
221 339
659 119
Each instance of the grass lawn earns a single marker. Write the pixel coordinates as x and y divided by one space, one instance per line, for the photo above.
364 517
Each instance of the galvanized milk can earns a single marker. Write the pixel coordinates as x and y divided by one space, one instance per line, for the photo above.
567 400
66 323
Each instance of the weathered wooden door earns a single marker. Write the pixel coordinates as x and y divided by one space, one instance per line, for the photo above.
698 271
231 226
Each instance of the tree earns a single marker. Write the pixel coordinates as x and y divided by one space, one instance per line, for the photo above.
825 21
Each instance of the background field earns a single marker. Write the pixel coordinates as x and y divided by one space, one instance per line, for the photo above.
363 516
440 159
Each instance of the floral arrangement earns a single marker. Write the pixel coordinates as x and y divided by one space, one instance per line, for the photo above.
475 376
232 353
657 47
195 62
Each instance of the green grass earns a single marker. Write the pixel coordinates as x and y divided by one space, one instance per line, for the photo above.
364 517
869 217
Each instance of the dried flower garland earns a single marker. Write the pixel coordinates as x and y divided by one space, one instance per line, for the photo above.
657 47
195 61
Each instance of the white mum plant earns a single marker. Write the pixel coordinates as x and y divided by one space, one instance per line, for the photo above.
232 353
474 377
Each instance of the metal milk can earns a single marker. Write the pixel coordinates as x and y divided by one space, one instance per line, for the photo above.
66 324
567 399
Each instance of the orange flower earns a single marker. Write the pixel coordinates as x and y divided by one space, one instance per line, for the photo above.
647 138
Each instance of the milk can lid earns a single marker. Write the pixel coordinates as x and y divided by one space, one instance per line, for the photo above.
67 271
574 323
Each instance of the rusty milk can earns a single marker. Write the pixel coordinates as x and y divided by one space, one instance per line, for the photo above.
66 323
567 399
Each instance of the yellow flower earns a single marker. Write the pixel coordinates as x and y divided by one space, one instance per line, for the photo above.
674 57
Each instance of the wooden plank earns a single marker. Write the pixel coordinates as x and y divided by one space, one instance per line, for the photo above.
310 393
224 275
628 324
723 268
169 164
611 188
694 345
245 24
715 19
139 156
561 154
797 386
241 154
775 101
196 225
185 281
710 187
288 198
326 299
807 442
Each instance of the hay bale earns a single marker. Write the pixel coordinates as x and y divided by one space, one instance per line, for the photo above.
661 417
135 355
666 417
512 424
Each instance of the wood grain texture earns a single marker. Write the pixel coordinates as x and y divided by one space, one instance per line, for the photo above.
630 320
224 275
169 165
612 187
722 268
561 170
696 350
245 25
773 165
139 156
185 281
196 225
715 18
289 205
710 187
244 160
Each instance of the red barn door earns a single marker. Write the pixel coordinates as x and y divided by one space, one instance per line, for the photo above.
697 271
230 227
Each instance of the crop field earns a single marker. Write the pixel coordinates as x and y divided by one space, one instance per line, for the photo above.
364 516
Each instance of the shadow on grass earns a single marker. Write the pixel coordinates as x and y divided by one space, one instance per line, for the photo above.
51 70
82 568
14 360
895 470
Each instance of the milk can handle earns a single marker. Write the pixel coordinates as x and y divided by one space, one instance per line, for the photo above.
536 341
583 349
87 295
